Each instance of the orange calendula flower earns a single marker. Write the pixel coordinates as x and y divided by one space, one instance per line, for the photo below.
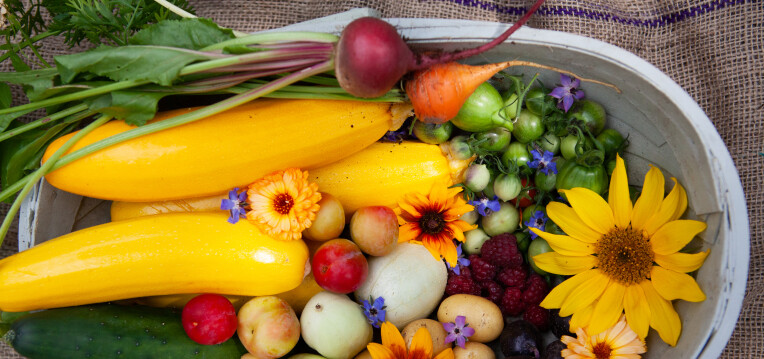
433 220
623 258
283 203
394 347
617 342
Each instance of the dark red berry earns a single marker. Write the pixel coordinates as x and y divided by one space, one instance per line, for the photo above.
481 270
535 289
460 284
513 277
501 251
512 302
491 291
537 316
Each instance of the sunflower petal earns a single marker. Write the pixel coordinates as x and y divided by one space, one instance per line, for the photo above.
408 232
556 263
674 285
565 245
410 210
618 195
637 310
682 262
591 208
448 251
682 203
673 236
448 353
581 318
421 345
649 200
392 338
608 309
665 213
663 317
585 294
557 295
570 223
379 351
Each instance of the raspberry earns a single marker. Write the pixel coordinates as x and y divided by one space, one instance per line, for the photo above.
463 271
512 302
501 251
535 289
491 291
460 284
481 270
537 316
513 277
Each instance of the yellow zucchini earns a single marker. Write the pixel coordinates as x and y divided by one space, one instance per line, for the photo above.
153 255
223 151
377 175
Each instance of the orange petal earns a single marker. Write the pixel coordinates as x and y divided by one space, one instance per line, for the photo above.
379 351
409 231
421 345
392 338
448 353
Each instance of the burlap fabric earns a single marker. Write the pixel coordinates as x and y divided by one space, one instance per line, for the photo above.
714 49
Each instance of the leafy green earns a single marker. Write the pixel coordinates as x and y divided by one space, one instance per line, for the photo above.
157 64
191 34
34 82
134 107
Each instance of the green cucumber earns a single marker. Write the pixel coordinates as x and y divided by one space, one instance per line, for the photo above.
111 331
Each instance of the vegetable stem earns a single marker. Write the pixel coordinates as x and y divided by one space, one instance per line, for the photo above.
176 10
39 122
275 37
43 170
262 56
76 96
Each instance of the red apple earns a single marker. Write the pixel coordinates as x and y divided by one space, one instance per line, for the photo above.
209 319
339 266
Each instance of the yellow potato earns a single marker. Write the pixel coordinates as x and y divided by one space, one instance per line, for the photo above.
437 333
481 314
474 350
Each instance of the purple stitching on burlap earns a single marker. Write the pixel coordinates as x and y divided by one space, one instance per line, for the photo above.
663 20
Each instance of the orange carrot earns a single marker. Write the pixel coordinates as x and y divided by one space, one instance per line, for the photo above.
438 92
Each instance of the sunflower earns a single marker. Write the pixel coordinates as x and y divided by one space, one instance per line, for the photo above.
623 258
282 204
394 347
433 220
617 342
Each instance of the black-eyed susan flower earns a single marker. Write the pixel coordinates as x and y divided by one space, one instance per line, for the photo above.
284 203
394 347
617 342
433 220
623 258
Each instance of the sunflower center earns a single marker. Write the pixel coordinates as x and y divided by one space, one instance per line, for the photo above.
624 255
432 223
283 203
601 351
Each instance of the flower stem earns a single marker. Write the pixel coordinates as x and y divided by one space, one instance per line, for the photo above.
43 170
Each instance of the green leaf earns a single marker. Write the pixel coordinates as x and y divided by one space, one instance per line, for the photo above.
21 154
160 65
34 82
6 97
191 34
134 107
5 120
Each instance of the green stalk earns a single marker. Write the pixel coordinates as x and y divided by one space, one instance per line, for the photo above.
25 44
251 57
76 96
48 119
43 170
273 37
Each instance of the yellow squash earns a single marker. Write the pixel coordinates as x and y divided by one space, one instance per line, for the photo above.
153 255
224 151
377 175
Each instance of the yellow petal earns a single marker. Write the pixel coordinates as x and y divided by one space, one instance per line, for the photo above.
393 339
558 294
448 353
409 209
565 245
637 310
421 344
674 285
682 262
649 200
378 351
673 236
581 318
608 309
663 317
556 263
618 195
585 294
408 232
665 213
591 208
570 223
682 203
448 251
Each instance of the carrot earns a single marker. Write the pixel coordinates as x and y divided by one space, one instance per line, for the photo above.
438 92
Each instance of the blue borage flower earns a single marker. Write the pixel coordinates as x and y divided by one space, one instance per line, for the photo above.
458 331
543 162
538 221
236 204
567 93
460 262
375 313
484 203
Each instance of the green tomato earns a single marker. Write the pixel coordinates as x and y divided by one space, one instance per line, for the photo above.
523 240
516 152
511 106
546 183
459 148
505 220
433 133
568 147
529 211
507 186
473 240
573 175
590 114
536 247
481 111
551 227
528 127
537 101
611 141
550 142
476 177
470 217
494 140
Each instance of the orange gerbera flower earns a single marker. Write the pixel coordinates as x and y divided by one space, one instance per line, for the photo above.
433 220
283 203
617 342
394 347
